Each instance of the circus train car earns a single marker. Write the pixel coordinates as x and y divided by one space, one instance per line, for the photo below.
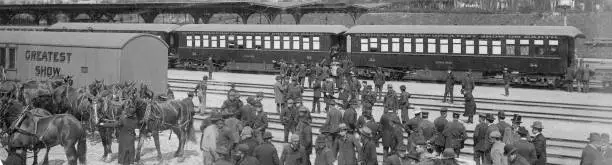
23 28
535 55
256 47
112 57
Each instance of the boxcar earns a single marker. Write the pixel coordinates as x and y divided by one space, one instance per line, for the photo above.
112 57
23 28
255 47
537 55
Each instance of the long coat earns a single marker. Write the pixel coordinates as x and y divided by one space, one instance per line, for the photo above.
279 93
334 118
266 154
470 104
368 153
455 134
291 156
350 118
480 137
540 145
591 156
440 123
325 157
126 139
526 149
390 101
387 129
304 130
346 148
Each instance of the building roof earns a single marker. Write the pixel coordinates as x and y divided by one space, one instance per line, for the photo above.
334 29
115 26
72 39
469 29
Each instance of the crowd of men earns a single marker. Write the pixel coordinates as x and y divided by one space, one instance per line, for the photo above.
236 134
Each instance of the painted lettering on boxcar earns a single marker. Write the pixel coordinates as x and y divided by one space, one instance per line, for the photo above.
48 56
47 71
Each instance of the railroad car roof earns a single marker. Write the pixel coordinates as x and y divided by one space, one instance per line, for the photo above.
115 26
335 29
23 27
469 29
71 39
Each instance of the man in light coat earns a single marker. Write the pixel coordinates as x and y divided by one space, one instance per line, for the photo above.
497 150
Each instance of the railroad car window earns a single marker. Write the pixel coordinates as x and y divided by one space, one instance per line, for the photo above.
277 42
539 47
306 43
205 41
431 45
197 41
296 43
419 45
213 41
373 44
364 44
249 42
267 42
457 46
443 45
222 41
240 40
286 42
316 43
510 48
469 46
384 44
231 42
258 41
524 47
496 47
407 44
12 52
3 57
189 41
483 47
553 47
395 45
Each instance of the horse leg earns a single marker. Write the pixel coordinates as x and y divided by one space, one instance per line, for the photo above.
35 156
71 154
106 142
46 160
156 139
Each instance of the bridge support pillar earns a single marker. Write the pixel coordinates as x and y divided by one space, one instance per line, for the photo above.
245 16
205 16
149 17
355 14
297 16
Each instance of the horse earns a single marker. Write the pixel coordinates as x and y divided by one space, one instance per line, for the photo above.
37 129
156 116
107 109
32 89
10 89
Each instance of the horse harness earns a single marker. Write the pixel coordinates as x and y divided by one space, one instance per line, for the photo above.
15 127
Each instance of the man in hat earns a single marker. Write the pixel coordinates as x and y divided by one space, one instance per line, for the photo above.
514 158
501 124
450 83
324 154
468 84
507 80
539 141
334 118
328 92
246 137
488 143
356 86
524 147
229 135
210 67
242 156
364 85
387 129
398 157
368 98
289 118
200 91
304 131
379 81
295 90
606 148
440 123
316 96
247 111
346 147
427 127
497 150
301 74
423 156
260 123
367 120
470 106
208 141
587 73
479 140
590 153
404 103
570 77
455 134
266 152
350 116
368 151
279 94
511 134
390 101
233 103
126 136
233 89
293 153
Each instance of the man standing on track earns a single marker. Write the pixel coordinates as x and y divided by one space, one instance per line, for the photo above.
470 106
450 83
316 96
200 91
279 94
570 76
379 81
586 77
507 80
404 104
468 83
539 141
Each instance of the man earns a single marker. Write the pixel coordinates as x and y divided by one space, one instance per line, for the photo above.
247 112
480 139
346 147
316 96
364 85
260 123
301 74
440 123
2 73
208 141
450 83
570 77
304 131
356 86
126 126
422 155
210 67
246 137
328 92
586 77
468 84
455 134
539 141
470 106
350 117
491 127
295 90
501 124
497 150
390 101
324 154
507 81
243 158
524 147
368 152
606 148
367 120
289 118
379 81
334 118
590 153
200 91
404 103
387 127
513 157
266 152
398 157
511 134
427 127
279 94
368 98
232 104
229 136
293 153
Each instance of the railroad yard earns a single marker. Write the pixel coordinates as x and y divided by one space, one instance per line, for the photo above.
567 117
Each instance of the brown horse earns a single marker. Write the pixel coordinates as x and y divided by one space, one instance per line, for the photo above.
107 109
37 129
176 115
32 89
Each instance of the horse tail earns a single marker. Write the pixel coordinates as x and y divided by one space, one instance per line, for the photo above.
82 148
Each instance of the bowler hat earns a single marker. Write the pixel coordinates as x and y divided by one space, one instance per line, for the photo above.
369 87
537 124
448 153
517 118
417 110
456 114
501 115
490 117
205 78
259 94
425 115
190 94
594 137
403 87
389 86
444 109
509 150
267 135
243 147
522 131
364 82
321 139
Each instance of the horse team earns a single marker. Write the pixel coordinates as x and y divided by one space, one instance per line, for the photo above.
39 115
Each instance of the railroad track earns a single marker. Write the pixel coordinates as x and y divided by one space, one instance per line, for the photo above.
560 150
